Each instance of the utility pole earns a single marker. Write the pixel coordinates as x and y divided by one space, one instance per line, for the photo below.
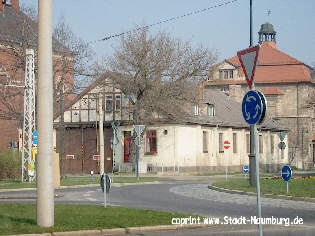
29 116
101 129
137 140
45 175
61 129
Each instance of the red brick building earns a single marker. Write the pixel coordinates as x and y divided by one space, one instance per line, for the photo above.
18 32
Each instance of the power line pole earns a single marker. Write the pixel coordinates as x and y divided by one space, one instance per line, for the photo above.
61 129
45 180
29 117
101 130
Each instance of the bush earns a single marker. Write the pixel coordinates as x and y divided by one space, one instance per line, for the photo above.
10 165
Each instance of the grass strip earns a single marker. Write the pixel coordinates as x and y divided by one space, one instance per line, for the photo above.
19 218
297 187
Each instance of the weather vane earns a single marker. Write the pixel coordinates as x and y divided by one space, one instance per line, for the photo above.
269 14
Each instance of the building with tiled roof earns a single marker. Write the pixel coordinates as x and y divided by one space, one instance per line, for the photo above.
288 85
189 142
18 33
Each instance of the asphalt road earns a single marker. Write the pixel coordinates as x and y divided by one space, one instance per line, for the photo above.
177 197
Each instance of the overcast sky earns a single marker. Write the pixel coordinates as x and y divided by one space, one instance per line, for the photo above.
224 28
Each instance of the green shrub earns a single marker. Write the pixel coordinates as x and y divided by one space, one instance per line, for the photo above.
10 165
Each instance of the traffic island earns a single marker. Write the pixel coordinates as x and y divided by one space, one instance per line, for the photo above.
300 189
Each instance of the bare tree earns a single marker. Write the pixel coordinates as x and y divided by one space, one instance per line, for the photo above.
71 64
162 73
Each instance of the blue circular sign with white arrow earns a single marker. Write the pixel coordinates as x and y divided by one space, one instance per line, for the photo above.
245 169
254 107
286 173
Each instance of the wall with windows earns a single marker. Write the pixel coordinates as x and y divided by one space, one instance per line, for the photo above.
196 148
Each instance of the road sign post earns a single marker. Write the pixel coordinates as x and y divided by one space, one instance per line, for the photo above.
226 146
245 169
286 174
249 60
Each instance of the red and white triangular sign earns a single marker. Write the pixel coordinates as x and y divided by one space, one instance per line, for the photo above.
248 59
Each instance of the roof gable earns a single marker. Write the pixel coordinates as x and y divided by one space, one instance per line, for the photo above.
274 66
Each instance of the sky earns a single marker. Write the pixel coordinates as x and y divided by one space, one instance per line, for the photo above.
225 28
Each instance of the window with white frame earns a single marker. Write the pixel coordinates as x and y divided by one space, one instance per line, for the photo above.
210 109
151 142
196 110
109 103
221 142
226 74
117 102
247 143
261 144
205 141
272 144
235 143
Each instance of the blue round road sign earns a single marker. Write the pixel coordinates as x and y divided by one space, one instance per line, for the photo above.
286 173
253 107
245 169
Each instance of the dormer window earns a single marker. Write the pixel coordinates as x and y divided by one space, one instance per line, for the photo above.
226 74
196 110
210 109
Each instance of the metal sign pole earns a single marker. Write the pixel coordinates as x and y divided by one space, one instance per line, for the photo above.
105 187
226 167
287 187
257 178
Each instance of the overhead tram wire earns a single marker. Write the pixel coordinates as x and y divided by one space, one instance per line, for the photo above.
166 21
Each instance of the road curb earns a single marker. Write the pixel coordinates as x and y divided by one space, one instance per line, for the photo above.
126 230
79 186
273 196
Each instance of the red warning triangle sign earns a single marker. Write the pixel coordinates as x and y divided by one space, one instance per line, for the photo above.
248 59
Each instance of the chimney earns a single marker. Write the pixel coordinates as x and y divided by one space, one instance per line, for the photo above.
15 5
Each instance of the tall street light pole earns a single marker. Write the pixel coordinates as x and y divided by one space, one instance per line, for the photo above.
45 185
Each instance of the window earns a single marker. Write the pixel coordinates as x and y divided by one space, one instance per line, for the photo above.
226 74
224 89
151 144
117 102
205 141
210 110
272 144
231 74
261 144
247 143
109 103
221 142
234 142
196 110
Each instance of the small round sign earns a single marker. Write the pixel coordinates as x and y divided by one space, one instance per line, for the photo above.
286 173
227 144
245 169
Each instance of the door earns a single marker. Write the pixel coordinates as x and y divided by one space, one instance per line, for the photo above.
127 142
